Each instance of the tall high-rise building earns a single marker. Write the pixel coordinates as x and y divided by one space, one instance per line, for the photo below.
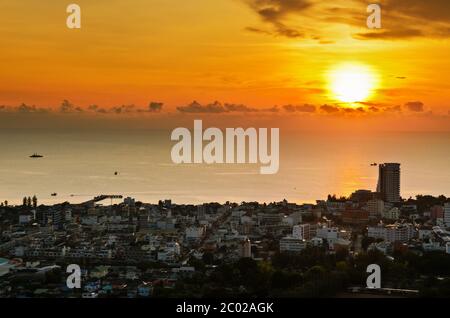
389 182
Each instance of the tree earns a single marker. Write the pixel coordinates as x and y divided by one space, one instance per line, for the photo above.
366 241
29 202
6 202
24 201
34 201
208 258
284 279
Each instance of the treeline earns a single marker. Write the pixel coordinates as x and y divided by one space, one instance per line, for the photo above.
315 273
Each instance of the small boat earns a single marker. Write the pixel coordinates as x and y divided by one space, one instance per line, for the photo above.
116 173
35 155
54 194
374 164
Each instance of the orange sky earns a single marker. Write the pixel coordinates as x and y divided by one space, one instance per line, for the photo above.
258 53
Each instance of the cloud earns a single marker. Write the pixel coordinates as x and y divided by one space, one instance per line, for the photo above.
401 19
283 30
217 107
274 12
97 109
124 109
404 19
366 108
306 108
354 110
68 107
155 107
415 106
329 109
239 108
24 108
392 109
196 107
430 10
273 109
388 34
258 30
93 107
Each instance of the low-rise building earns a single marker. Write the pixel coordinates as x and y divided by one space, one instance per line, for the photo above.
392 232
301 231
375 207
392 214
355 216
447 214
292 244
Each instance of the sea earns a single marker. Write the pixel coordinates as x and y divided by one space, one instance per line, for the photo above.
80 164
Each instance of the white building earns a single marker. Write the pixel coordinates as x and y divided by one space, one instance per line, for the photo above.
166 256
195 233
316 241
392 232
68 215
287 220
447 214
433 246
301 232
425 233
5 266
292 244
383 247
173 247
328 233
245 249
25 218
92 220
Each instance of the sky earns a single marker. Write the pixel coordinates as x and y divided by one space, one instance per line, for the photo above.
263 60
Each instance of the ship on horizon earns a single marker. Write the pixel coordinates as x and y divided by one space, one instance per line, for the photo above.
35 155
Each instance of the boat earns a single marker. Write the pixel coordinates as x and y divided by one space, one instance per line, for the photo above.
116 173
35 155
54 194
374 164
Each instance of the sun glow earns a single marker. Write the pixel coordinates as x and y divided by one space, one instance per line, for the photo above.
352 83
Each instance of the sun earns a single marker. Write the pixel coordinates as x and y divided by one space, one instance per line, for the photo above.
351 82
